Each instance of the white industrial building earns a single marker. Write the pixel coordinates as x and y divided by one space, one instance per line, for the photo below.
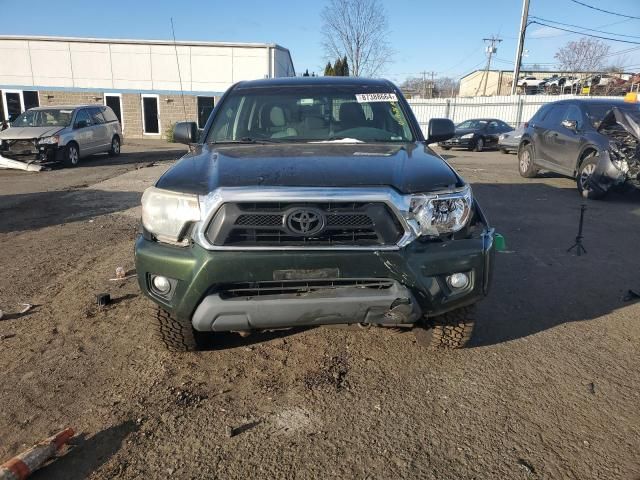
142 80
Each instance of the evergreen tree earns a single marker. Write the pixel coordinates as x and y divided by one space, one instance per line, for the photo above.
337 68
345 67
328 70
306 73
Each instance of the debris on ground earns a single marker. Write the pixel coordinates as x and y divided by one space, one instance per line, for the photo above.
526 466
14 164
103 299
25 307
121 274
7 335
146 165
23 465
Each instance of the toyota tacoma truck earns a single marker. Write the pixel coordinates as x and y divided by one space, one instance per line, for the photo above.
312 201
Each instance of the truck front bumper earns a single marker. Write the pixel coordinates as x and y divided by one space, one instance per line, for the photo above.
417 275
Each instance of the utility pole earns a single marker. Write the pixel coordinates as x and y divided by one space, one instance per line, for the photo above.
433 74
424 84
491 49
523 27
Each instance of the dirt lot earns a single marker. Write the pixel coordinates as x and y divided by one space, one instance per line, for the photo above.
549 388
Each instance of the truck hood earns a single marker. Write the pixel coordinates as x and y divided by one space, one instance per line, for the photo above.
409 168
26 133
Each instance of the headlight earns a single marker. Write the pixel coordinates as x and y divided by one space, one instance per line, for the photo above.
54 139
168 215
438 214
502 137
468 135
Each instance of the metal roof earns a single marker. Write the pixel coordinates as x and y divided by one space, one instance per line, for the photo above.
185 43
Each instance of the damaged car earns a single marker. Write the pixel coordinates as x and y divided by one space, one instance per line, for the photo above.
307 202
45 135
594 141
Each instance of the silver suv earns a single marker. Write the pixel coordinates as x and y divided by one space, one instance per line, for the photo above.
62 134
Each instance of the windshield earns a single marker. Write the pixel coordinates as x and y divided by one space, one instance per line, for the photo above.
473 124
43 118
597 111
310 114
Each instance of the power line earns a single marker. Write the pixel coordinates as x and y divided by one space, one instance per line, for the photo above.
584 28
605 11
586 34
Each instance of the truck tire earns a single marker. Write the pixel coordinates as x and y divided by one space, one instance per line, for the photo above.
587 167
71 155
448 331
177 335
526 167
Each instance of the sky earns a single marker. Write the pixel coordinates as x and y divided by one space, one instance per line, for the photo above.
426 35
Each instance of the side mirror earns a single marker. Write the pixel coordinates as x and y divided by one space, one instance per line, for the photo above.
80 124
570 124
185 132
440 129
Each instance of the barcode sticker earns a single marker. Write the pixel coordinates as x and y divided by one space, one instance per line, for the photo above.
376 97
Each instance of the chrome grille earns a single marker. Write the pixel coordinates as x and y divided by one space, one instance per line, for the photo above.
345 224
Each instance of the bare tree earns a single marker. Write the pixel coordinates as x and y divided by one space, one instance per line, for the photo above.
442 87
358 30
585 55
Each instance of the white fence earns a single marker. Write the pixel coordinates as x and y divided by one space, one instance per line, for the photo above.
513 109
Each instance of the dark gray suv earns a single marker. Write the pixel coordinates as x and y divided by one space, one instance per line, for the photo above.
594 141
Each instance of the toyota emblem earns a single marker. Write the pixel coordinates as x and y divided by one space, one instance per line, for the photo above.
305 221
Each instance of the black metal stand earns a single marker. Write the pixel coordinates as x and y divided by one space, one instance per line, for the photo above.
578 245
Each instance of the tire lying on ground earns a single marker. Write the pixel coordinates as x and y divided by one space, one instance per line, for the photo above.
448 331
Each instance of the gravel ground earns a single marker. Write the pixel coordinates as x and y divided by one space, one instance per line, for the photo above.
548 389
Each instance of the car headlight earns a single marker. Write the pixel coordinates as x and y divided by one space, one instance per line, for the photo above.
52 140
438 214
168 215
502 137
468 135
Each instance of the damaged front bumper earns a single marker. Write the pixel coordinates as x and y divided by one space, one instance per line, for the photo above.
28 155
619 164
241 290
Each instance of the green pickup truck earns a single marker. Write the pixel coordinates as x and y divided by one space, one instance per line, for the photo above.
313 201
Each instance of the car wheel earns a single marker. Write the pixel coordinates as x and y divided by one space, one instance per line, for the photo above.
479 145
525 162
71 156
504 151
448 331
176 335
114 151
587 168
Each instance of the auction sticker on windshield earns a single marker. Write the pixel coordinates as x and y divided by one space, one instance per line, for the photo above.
376 97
